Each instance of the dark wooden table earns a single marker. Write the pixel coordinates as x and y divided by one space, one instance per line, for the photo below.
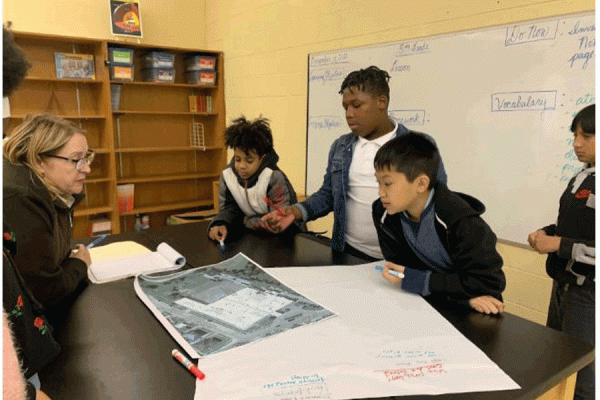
114 348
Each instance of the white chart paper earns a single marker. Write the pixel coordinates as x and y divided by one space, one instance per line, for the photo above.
384 342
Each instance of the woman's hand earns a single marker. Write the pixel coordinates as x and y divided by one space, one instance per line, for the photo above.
217 232
81 252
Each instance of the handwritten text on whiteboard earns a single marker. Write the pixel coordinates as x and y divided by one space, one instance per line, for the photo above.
524 101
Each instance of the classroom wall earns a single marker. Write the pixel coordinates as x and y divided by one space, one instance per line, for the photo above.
179 24
266 44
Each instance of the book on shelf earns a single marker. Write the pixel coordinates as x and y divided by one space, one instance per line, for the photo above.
100 226
201 104
74 66
193 103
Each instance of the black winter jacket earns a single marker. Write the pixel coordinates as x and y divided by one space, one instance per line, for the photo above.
467 238
43 230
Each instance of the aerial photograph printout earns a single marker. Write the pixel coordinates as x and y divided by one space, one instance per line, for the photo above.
222 306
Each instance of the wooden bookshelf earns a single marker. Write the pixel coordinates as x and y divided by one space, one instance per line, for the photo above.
145 141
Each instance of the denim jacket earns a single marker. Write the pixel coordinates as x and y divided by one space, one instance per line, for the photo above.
332 194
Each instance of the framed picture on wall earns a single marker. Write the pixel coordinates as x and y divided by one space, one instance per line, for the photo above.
125 18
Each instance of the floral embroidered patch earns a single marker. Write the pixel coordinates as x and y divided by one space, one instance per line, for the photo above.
41 325
16 311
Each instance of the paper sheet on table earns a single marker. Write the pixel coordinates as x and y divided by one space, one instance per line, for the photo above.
123 259
385 342
223 306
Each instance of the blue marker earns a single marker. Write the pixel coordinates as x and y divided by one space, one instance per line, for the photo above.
380 268
222 246
96 241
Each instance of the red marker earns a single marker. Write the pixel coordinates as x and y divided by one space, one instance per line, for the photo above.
274 206
188 364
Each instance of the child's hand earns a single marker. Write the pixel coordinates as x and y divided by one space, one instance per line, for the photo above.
542 243
532 237
395 267
218 232
280 219
487 304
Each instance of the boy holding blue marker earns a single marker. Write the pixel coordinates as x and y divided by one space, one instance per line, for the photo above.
435 238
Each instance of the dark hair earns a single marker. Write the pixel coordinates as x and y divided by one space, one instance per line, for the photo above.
370 80
412 154
586 119
250 135
14 64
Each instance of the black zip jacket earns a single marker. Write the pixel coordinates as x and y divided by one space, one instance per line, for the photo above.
576 227
43 230
467 238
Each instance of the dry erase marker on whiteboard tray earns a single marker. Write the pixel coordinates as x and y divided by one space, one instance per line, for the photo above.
380 268
188 364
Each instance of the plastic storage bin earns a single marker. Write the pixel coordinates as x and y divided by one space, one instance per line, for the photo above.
201 77
120 55
158 75
157 59
199 62
121 72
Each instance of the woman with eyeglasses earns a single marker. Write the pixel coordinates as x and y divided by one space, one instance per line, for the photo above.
46 161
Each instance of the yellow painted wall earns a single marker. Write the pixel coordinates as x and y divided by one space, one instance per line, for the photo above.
266 45
177 24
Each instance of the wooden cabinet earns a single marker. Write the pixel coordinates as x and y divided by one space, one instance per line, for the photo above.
146 141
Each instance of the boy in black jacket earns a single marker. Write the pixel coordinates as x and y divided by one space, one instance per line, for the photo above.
434 237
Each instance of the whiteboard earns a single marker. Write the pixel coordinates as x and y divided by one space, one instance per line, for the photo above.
499 103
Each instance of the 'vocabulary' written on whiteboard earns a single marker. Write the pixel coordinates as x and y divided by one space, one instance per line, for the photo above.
524 101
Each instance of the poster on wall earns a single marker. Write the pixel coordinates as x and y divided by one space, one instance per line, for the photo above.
125 18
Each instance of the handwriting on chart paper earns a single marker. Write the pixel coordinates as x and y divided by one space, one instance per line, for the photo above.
401 374
407 354
300 387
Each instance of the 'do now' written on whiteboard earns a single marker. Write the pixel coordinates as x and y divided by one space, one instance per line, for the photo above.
499 103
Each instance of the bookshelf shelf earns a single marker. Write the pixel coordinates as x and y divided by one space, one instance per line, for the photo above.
82 212
168 207
22 116
61 80
165 149
152 112
160 178
97 180
164 84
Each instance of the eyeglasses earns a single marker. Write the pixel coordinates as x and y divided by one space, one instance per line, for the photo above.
79 163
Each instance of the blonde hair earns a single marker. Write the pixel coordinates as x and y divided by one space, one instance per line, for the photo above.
39 134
